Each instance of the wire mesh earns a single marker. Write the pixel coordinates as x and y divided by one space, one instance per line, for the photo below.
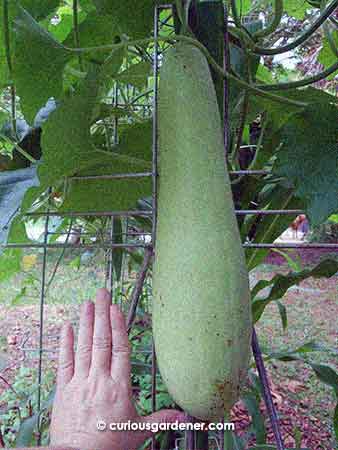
110 246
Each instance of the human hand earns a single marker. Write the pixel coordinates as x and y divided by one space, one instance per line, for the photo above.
94 384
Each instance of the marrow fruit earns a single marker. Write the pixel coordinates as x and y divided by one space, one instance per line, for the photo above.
201 310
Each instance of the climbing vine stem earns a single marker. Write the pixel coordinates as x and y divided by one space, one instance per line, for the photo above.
272 27
302 37
300 83
226 74
328 33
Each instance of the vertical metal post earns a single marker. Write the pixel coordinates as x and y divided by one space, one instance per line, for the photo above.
266 392
110 265
154 197
155 127
153 388
42 303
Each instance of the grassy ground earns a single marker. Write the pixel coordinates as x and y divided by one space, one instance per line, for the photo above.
304 403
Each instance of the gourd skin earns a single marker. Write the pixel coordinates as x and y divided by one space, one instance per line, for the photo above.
201 308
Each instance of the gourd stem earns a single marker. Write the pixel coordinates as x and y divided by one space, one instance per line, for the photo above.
278 14
327 32
299 83
266 392
7 44
303 36
226 74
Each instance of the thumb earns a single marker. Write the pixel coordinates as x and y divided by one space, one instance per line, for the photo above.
165 416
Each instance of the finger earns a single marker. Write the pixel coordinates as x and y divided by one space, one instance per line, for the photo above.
83 355
121 366
102 338
66 356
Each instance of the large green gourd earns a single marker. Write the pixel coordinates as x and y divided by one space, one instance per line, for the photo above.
201 310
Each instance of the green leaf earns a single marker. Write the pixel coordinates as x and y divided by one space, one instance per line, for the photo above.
326 55
258 425
296 8
295 263
66 139
10 262
94 31
281 283
136 75
39 9
135 18
136 140
283 314
68 150
17 300
309 159
327 375
25 436
64 26
38 64
269 227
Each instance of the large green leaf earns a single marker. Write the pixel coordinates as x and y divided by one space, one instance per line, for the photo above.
258 426
68 151
39 9
326 56
66 140
136 75
296 8
135 18
309 159
281 283
94 31
136 140
62 28
38 64
270 227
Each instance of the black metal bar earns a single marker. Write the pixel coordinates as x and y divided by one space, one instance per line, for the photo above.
240 212
291 245
266 391
116 176
155 128
131 245
250 172
41 318
102 245
269 212
91 213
